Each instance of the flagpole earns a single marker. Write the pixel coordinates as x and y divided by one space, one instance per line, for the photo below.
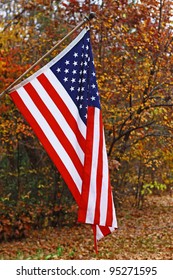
87 18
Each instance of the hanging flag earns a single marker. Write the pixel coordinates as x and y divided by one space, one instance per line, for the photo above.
62 105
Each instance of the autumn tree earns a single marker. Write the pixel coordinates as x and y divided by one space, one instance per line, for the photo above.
28 30
132 45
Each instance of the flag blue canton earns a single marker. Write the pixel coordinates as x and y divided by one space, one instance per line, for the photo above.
76 72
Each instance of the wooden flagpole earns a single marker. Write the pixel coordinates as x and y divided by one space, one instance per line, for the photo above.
87 18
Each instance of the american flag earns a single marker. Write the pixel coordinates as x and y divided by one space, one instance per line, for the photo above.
62 105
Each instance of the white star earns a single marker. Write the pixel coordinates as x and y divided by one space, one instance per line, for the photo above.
75 54
77 97
83 80
82 89
65 79
67 62
87 47
81 98
73 80
84 72
93 98
93 74
75 63
85 63
58 70
66 70
80 106
74 72
93 86
72 88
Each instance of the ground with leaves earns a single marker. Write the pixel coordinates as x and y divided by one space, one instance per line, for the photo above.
142 234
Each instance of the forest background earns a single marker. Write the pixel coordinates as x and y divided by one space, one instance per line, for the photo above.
133 52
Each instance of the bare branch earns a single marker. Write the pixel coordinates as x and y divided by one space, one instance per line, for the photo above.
162 105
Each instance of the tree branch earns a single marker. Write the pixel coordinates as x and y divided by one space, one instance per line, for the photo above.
162 105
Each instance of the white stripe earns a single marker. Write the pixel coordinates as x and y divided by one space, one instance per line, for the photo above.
104 190
59 118
93 176
50 136
67 100
99 234
114 222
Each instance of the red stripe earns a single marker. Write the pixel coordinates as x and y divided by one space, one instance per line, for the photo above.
99 174
55 127
105 230
48 147
87 166
63 108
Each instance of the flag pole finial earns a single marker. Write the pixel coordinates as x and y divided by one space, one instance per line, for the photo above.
87 18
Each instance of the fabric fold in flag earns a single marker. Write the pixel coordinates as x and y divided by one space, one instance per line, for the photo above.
62 105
